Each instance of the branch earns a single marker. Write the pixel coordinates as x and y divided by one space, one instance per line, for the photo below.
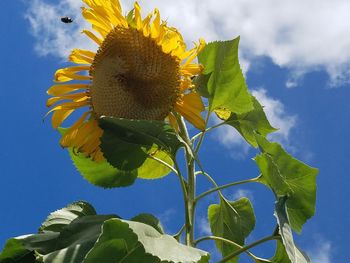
218 188
244 249
226 241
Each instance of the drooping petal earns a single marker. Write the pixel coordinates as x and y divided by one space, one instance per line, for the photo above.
81 96
190 106
59 116
173 121
71 133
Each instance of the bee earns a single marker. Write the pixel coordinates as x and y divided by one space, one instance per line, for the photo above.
66 20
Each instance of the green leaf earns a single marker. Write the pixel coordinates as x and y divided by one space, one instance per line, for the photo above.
288 247
126 144
226 86
102 174
150 220
165 247
281 255
287 176
233 221
63 217
250 123
71 244
152 169
15 252
76 234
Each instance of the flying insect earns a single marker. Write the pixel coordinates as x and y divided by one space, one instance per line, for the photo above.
66 20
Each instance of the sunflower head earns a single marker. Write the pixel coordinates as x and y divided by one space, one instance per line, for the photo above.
141 70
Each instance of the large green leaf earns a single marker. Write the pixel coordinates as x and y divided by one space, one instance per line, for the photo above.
15 252
150 220
223 81
250 123
233 221
126 144
281 255
63 217
142 243
102 174
153 169
73 235
105 175
288 247
287 176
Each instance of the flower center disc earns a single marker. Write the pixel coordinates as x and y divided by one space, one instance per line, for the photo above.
133 78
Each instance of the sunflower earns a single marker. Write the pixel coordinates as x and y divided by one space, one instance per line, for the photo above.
141 70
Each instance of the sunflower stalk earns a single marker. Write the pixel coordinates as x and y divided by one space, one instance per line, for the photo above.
191 184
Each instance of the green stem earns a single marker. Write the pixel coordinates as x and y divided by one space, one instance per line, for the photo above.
178 234
218 188
202 135
184 187
191 183
164 163
208 176
226 241
206 130
244 249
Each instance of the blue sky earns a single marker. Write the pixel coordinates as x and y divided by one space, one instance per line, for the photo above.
296 63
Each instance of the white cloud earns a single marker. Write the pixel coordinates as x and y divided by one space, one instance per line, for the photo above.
276 114
52 36
321 252
203 225
301 35
243 193
230 139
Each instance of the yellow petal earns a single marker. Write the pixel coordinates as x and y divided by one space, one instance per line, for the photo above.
84 133
57 90
195 51
93 37
191 69
190 106
81 96
67 74
81 56
146 27
137 18
155 26
173 121
92 18
97 156
185 84
68 138
59 116
71 105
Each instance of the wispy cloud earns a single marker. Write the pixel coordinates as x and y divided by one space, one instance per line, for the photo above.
52 36
321 252
287 32
277 115
203 225
243 193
